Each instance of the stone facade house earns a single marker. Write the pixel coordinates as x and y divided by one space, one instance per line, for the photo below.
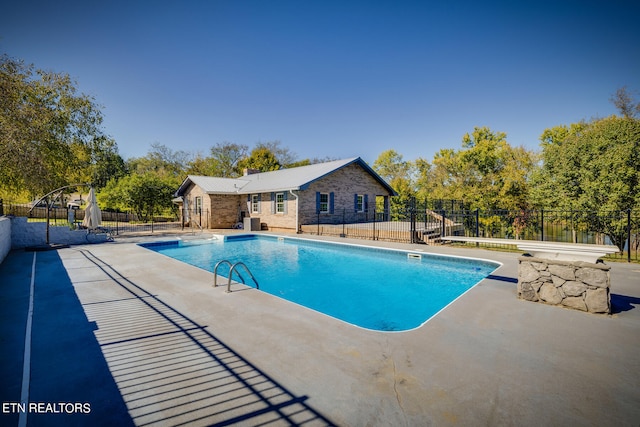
283 199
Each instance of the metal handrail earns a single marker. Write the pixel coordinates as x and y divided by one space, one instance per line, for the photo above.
215 272
233 267
193 231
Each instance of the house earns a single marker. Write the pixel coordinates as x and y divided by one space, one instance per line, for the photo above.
283 199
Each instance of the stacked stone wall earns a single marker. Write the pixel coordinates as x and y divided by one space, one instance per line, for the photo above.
573 284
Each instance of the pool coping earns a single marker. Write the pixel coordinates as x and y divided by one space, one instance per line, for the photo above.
489 358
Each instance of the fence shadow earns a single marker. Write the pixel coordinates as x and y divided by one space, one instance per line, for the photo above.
70 382
173 371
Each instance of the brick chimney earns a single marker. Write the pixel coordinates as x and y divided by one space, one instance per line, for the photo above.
249 171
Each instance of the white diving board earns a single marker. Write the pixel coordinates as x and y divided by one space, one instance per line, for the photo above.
547 250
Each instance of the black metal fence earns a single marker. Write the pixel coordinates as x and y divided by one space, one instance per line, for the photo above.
430 222
412 223
621 229
119 223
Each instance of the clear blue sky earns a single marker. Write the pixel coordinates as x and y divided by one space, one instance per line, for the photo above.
332 78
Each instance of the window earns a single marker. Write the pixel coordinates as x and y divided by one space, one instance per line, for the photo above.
255 203
198 205
324 203
280 203
359 203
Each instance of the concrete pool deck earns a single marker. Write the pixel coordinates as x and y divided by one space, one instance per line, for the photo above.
142 339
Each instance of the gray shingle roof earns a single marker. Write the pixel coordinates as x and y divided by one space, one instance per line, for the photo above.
298 178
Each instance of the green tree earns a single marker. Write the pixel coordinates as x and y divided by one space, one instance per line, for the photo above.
487 173
284 156
262 159
228 159
145 194
554 181
443 178
223 161
392 167
47 129
105 163
161 161
624 102
592 167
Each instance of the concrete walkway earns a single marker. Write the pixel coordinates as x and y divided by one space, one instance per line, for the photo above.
142 339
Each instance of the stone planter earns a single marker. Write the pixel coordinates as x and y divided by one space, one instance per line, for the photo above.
578 285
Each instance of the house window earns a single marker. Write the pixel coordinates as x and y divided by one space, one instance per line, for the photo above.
324 203
359 203
255 203
280 203
198 205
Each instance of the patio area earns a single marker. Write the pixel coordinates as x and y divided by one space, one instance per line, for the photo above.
145 340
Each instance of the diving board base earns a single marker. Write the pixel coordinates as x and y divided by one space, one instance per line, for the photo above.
577 285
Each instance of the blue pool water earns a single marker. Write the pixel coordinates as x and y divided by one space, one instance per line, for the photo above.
377 289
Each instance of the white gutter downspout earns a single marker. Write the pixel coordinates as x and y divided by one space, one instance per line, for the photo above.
297 212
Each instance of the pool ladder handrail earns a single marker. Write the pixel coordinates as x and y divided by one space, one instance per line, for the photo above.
232 268
215 271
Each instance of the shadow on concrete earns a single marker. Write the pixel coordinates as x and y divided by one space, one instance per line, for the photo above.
70 382
172 371
620 303
503 278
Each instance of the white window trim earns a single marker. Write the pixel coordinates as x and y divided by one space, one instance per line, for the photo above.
255 203
280 204
326 204
360 203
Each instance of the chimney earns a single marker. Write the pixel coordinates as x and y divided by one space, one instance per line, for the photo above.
249 171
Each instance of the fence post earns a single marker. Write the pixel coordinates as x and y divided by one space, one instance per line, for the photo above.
423 212
1 208
373 237
628 235
542 226
343 221
443 228
477 222
48 218
318 222
477 226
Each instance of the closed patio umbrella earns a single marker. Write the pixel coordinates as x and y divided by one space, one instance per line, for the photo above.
92 214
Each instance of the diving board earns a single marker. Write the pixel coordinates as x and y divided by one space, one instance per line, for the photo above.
547 250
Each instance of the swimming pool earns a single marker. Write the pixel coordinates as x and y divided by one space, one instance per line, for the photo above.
378 289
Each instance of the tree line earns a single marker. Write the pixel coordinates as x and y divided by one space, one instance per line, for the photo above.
51 135
589 166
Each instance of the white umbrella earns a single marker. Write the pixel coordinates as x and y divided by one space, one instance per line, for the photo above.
92 214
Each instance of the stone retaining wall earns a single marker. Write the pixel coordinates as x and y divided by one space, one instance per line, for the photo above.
574 284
